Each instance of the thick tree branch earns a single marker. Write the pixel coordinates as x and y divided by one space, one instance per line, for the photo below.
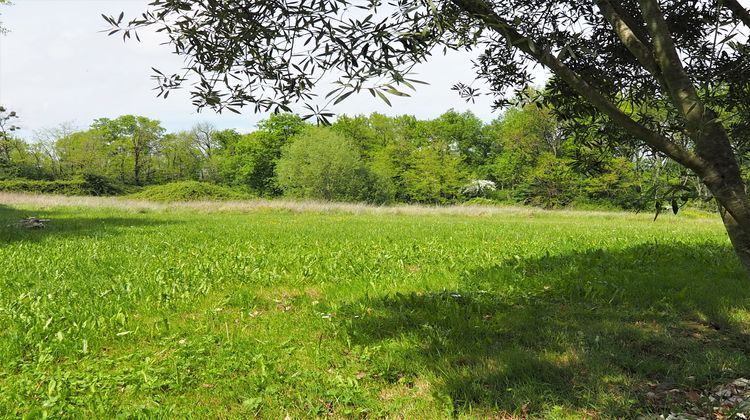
722 173
480 10
713 162
635 44
739 12
681 89
637 27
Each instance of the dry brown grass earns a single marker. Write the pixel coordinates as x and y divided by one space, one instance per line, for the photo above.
255 205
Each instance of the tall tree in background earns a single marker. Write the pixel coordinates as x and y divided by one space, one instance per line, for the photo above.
207 145
180 157
250 160
322 164
135 137
45 142
83 152
693 53
464 132
7 127
203 135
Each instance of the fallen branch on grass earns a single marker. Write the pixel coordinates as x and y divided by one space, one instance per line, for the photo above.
33 223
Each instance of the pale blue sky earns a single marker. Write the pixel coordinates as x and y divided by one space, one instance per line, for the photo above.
56 66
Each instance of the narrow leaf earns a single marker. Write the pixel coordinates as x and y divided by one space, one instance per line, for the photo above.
342 97
383 97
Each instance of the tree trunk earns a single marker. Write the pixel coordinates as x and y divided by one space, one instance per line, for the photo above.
736 222
739 237
722 175
137 166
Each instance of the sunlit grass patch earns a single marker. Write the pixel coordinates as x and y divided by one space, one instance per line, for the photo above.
264 312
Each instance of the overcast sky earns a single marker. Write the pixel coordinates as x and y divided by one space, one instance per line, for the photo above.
57 66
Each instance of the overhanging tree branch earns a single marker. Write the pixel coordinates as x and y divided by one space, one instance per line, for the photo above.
711 141
480 10
681 89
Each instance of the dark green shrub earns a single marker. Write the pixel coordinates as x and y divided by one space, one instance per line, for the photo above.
504 196
102 185
86 185
63 187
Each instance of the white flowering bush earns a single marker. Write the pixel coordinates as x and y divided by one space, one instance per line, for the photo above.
479 188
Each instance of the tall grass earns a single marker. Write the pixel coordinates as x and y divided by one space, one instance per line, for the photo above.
131 204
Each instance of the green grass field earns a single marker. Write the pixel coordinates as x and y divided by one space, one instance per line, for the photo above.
151 312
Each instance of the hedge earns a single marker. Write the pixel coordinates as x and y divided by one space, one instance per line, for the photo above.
85 185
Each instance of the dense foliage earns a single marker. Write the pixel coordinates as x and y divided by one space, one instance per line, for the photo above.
524 156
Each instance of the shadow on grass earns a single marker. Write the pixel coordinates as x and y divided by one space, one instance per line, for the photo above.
65 224
590 332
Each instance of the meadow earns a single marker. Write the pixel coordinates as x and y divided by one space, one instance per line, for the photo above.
208 310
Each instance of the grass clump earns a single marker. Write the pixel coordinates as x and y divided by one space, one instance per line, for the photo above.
189 191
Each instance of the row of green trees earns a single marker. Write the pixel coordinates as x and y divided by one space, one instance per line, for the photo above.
526 155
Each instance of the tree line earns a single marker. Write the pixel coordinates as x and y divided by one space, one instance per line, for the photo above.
526 156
